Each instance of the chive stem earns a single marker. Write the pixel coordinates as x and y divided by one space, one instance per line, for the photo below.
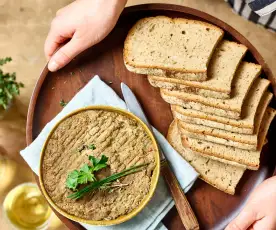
98 184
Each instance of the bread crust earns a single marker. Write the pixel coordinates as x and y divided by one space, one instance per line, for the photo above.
227 189
129 63
218 85
250 139
267 119
212 106
243 126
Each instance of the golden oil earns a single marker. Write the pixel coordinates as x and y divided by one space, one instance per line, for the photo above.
26 208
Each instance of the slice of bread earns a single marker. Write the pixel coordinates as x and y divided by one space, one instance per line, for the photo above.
161 45
230 108
250 139
222 176
263 105
221 71
217 140
264 127
245 157
253 110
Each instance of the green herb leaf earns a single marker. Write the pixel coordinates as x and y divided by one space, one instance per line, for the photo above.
98 163
72 180
92 146
9 87
86 172
5 60
104 183
86 175
63 103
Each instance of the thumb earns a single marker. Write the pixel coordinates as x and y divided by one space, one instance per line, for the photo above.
65 54
244 220
268 223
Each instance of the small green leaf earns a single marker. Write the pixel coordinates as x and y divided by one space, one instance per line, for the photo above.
86 175
92 146
72 180
5 60
86 172
99 166
71 183
85 168
62 103
93 160
98 163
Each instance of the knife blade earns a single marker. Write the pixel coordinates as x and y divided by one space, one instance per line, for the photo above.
133 104
183 207
134 107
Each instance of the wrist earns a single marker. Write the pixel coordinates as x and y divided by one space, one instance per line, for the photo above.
118 6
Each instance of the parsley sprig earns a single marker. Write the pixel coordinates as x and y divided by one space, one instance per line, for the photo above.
86 172
9 87
86 175
106 181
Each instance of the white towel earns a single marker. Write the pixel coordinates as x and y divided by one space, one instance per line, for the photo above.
96 92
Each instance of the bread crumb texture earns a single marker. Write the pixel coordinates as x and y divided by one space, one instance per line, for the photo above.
173 44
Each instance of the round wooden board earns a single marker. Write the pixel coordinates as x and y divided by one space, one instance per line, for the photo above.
213 208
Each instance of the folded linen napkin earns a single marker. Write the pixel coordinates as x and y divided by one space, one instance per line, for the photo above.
96 92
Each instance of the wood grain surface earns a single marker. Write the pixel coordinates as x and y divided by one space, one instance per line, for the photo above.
184 209
213 208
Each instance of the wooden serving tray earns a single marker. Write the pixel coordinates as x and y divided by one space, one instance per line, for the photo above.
213 208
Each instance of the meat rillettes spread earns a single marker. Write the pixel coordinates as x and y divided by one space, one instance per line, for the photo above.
122 139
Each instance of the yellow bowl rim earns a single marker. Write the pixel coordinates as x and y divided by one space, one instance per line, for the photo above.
155 174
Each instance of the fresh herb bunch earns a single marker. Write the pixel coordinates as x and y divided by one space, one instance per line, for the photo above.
106 182
8 85
86 175
86 172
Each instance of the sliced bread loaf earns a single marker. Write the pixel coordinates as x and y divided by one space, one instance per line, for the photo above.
222 176
158 45
251 139
230 108
245 157
264 127
252 109
217 140
221 70
250 159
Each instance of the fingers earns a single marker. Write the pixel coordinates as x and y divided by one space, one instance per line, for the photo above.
244 220
65 54
60 31
52 43
266 223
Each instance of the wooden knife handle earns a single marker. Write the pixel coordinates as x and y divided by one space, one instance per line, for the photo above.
183 207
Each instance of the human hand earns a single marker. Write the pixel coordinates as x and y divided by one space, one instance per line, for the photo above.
84 23
260 211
